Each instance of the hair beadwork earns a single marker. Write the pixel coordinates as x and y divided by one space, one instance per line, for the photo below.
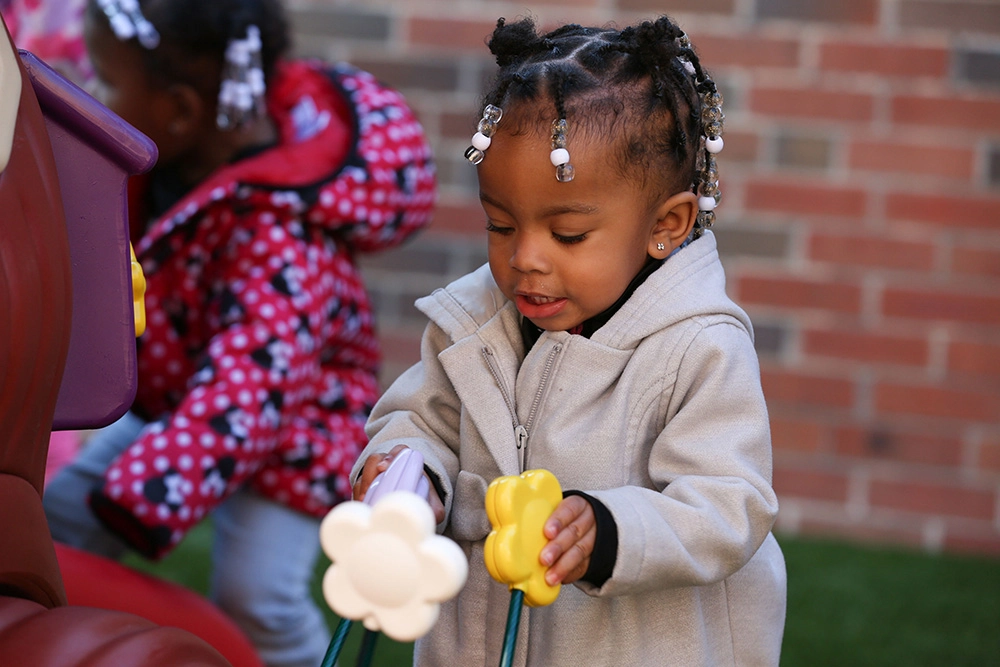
642 87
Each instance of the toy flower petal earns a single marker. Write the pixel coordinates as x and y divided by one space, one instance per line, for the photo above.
518 507
388 567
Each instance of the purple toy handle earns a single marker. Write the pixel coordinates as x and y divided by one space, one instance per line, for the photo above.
405 473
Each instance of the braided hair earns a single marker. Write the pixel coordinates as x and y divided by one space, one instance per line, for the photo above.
194 35
643 87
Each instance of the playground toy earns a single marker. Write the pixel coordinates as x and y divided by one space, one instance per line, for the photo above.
68 320
518 507
388 567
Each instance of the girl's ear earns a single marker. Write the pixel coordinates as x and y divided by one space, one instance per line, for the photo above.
675 219
185 113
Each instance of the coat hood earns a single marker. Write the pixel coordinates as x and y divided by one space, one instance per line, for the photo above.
351 158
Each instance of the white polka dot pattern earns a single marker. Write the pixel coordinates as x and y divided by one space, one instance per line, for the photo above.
260 356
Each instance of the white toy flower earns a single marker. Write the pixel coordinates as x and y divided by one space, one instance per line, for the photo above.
388 567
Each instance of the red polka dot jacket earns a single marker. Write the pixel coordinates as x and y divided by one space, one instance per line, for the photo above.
258 364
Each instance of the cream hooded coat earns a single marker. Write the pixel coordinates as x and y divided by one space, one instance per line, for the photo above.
659 415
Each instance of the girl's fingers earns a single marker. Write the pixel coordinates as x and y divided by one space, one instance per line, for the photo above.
572 531
574 561
565 513
375 465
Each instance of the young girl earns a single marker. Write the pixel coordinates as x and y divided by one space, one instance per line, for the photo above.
599 344
258 366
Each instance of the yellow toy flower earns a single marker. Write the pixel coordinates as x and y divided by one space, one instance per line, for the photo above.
518 507
138 294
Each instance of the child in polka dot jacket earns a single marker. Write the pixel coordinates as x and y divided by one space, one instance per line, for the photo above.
257 370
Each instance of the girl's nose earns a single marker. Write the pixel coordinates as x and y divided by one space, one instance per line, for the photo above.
529 255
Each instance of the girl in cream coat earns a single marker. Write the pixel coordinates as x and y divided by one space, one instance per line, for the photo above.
641 389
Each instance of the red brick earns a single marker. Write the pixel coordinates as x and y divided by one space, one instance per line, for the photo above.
811 103
452 34
467 219
678 6
865 346
989 455
458 124
975 358
976 261
901 158
898 445
747 51
932 498
953 15
809 198
787 292
877 251
953 306
796 388
798 435
947 210
811 484
971 404
400 347
884 59
897 532
947 111
819 11
741 146
983 542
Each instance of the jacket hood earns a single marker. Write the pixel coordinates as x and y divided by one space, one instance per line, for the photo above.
351 157
692 283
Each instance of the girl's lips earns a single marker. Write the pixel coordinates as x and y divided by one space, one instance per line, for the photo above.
538 307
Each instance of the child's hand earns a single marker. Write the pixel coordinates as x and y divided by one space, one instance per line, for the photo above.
572 531
376 464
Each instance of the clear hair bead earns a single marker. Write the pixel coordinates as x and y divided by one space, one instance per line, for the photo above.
483 137
559 157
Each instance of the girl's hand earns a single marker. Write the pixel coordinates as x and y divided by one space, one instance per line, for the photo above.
376 464
572 532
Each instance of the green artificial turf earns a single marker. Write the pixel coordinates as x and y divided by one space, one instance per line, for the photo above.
855 605
848 605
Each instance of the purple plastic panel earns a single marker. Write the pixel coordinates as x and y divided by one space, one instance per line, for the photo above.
95 153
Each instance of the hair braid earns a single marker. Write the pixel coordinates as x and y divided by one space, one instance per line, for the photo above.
644 87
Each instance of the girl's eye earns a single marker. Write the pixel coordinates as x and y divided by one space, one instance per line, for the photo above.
569 240
491 227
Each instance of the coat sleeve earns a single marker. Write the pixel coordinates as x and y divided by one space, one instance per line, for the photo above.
269 296
422 411
711 465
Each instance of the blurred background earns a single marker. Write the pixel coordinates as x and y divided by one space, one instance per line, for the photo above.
859 226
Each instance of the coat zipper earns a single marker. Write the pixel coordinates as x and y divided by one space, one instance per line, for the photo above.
521 430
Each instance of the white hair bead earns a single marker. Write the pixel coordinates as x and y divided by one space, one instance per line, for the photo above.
481 141
706 203
559 156
714 145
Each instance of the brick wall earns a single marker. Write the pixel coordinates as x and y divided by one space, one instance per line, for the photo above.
860 227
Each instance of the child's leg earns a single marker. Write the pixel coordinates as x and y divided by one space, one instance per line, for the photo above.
263 560
65 497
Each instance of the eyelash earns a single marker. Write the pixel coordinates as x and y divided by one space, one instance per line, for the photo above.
490 227
569 240
506 231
